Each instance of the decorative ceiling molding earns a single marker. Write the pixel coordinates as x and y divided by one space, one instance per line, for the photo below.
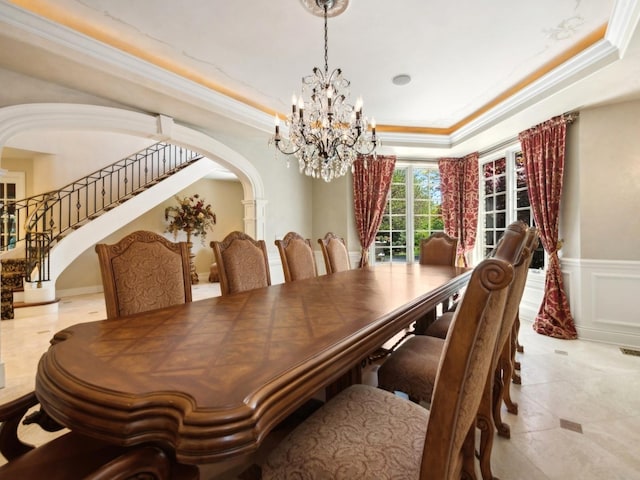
127 66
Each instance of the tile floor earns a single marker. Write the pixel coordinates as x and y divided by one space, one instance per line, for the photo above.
579 402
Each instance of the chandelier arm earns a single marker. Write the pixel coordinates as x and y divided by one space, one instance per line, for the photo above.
283 149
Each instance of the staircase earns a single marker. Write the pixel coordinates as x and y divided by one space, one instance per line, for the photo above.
43 221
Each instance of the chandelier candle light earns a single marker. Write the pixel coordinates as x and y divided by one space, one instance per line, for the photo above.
326 133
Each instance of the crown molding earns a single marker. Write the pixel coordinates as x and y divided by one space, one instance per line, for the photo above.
65 41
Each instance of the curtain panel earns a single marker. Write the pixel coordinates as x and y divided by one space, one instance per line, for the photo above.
543 147
459 183
371 183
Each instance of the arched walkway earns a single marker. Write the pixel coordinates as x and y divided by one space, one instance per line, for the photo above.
19 119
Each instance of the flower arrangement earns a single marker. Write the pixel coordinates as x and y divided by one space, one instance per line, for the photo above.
191 215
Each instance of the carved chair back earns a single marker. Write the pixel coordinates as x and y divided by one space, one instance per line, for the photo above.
243 263
335 253
144 271
298 261
438 249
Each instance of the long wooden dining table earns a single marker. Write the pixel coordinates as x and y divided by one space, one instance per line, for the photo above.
210 379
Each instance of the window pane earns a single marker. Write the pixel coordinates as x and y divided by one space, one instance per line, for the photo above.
488 220
522 199
398 206
501 202
398 191
537 261
488 186
400 175
501 220
398 254
488 238
501 184
488 204
500 166
525 216
398 222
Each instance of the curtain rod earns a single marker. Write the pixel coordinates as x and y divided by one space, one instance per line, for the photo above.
570 117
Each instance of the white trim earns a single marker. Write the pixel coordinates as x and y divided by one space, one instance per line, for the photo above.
118 63
622 23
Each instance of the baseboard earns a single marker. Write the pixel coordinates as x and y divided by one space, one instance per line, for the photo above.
72 292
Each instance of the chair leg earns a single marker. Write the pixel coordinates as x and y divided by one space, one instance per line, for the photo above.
507 378
485 423
515 346
498 391
468 455
516 331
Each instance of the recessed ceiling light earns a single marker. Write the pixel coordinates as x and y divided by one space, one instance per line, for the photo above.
401 79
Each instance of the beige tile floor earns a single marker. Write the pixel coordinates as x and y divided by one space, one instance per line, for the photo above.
592 385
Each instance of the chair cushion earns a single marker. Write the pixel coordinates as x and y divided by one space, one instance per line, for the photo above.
440 327
412 367
362 433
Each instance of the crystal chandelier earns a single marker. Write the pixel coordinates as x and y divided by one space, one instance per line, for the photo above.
326 132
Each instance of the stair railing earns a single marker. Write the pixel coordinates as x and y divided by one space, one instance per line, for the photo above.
48 217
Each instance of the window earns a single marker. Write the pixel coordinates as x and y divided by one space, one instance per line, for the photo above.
504 198
413 212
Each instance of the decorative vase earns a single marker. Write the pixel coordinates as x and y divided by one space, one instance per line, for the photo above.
192 266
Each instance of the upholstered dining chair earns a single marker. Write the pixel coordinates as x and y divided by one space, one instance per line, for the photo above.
414 361
438 249
143 271
411 368
368 433
243 263
296 254
74 456
335 253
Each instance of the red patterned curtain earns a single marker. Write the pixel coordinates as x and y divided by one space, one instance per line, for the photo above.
371 182
459 186
543 147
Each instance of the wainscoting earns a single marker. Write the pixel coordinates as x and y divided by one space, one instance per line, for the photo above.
603 295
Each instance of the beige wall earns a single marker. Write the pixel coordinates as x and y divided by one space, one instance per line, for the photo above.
333 210
24 165
609 183
226 200
569 228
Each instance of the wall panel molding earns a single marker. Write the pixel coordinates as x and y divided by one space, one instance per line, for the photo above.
602 294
